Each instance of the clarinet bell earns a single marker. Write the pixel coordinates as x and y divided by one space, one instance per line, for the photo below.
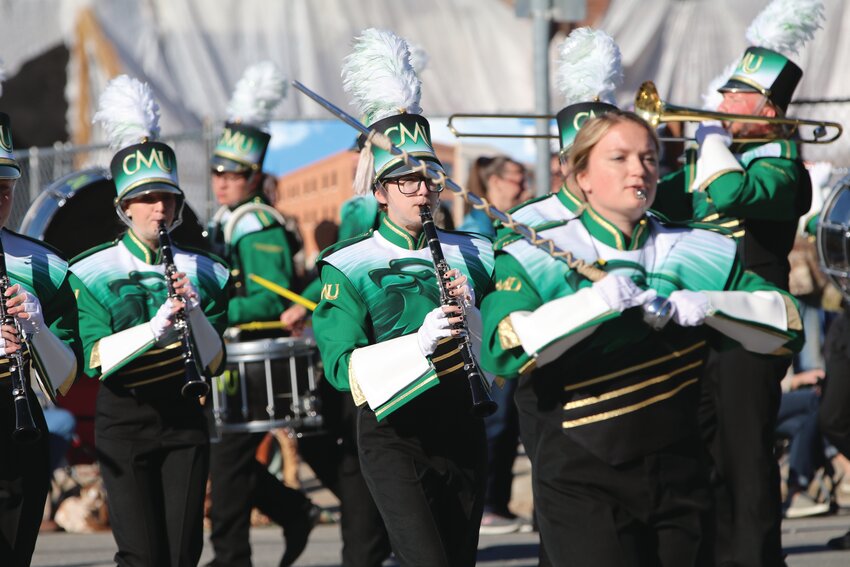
657 313
195 389
482 404
25 432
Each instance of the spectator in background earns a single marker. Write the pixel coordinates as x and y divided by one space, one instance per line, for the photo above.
500 180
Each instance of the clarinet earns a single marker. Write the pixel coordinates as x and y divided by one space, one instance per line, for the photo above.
482 404
194 385
25 431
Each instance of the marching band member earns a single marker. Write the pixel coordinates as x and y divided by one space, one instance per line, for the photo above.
381 329
42 304
612 402
756 191
152 443
250 235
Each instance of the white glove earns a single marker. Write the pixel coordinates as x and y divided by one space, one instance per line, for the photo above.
191 297
35 319
689 307
714 129
621 293
164 319
434 327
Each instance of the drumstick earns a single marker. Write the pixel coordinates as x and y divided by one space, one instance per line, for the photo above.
283 292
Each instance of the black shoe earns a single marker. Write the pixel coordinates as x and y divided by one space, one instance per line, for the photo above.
842 542
295 536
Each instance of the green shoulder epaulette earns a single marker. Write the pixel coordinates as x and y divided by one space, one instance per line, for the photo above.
92 250
343 243
533 200
692 224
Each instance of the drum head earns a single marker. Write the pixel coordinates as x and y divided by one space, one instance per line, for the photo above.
76 212
833 235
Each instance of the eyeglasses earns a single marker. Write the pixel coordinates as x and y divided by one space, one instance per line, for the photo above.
412 185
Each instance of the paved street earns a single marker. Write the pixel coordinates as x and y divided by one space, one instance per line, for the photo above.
803 540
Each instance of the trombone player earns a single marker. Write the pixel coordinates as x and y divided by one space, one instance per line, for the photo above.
755 192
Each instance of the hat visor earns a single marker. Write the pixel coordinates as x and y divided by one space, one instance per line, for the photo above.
402 169
735 86
9 172
151 188
221 164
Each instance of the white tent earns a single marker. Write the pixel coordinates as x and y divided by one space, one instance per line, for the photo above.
193 51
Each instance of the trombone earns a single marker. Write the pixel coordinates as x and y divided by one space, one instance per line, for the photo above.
650 107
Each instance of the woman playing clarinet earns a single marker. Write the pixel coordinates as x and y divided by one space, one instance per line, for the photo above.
150 429
384 334
613 400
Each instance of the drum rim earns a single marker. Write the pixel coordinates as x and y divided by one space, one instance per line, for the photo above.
285 346
834 274
59 191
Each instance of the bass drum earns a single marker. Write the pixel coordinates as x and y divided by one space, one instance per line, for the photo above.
76 212
833 236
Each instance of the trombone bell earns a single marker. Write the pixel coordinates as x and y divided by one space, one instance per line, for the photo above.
650 107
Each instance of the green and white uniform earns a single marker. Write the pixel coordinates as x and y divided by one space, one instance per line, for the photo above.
56 354
253 241
754 192
658 256
377 289
119 287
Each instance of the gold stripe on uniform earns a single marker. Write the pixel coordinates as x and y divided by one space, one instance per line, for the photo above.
629 389
628 409
634 368
157 379
450 370
124 372
449 354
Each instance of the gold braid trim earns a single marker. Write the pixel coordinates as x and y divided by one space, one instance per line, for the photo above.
482 204
508 338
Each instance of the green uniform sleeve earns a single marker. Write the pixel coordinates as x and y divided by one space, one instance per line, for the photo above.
266 254
766 190
357 216
94 322
501 353
313 291
340 323
60 313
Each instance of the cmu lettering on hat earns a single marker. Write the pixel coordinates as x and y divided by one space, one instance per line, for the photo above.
751 63
404 133
237 140
134 161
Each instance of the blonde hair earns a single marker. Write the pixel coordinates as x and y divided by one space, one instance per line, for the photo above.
594 129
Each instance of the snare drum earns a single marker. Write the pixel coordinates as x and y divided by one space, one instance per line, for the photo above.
267 384
833 236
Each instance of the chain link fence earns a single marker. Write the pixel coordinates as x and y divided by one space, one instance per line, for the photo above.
42 166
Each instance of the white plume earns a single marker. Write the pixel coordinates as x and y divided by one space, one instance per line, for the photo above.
256 95
379 76
128 112
589 67
786 25
711 99
418 57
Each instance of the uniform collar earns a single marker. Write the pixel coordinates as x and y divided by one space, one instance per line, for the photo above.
255 197
398 236
139 249
603 230
569 199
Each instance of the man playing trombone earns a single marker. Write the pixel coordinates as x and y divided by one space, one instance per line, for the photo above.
755 191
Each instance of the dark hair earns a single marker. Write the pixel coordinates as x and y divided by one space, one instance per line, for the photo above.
482 170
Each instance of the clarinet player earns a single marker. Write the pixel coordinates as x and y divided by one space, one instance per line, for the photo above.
384 335
39 305
152 440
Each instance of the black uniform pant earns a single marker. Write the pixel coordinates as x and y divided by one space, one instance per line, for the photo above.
426 472
645 512
238 483
155 490
333 456
24 483
738 410
834 415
